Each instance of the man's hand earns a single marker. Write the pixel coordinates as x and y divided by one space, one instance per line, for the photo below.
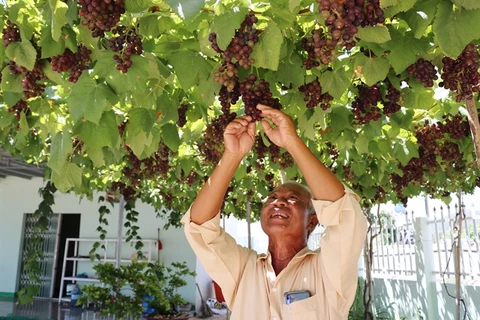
239 136
284 133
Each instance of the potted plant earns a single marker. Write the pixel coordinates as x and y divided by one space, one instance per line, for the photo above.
130 290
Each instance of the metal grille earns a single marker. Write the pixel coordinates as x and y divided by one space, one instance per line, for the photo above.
48 246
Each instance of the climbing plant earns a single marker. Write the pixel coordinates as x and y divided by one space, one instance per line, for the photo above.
132 96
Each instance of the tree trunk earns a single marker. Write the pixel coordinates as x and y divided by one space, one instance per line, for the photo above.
474 127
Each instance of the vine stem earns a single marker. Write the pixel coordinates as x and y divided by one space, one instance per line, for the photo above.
474 127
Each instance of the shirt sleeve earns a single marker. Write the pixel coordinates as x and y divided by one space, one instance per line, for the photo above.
341 246
223 259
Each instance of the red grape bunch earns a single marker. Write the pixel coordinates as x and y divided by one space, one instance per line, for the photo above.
461 75
319 48
365 106
182 115
18 108
314 96
254 93
126 43
390 106
11 33
101 15
75 63
31 83
242 43
212 145
456 126
424 71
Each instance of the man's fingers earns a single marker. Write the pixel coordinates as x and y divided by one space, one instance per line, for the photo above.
266 126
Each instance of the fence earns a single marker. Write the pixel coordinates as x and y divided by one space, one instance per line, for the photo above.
394 246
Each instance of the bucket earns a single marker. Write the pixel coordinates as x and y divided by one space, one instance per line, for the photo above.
71 287
75 296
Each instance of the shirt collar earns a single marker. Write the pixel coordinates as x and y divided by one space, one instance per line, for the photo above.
300 254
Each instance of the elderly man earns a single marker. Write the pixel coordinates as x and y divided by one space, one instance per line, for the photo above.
290 281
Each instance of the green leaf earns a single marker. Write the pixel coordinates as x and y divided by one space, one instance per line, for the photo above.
10 82
362 144
453 28
186 9
59 17
375 70
340 118
23 53
404 49
89 100
420 17
24 127
335 82
59 150
69 177
266 51
105 134
49 46
137 142
224 26
404 151
170 136
283 17
375 34
418 99
399 6
190 67
467 4
141 119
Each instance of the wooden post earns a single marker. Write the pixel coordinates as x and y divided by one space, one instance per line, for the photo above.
249 225
457 256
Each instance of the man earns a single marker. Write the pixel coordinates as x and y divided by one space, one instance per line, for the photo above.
290 281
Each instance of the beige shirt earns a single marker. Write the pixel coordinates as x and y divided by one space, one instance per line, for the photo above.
249 284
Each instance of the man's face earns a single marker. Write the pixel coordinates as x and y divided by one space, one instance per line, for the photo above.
286 212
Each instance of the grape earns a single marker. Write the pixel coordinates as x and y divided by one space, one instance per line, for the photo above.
31 82
314 96
74 63
461 75
211 145
424 71
365 105
18 108
101 15
393 97
125 44
182 116
11 33
254 93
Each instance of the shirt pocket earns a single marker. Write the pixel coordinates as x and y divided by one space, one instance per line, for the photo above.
302 310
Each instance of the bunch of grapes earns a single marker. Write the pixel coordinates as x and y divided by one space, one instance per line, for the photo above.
15 68
456 126
461 75
31 83
182 115
242 43
11 33
428 137
424 71
126 43
227 98
212 145
390 106
314 96
227 76
191 178
254 93
101 15
18 108
75 63
365 106
127 192
319 48
450 152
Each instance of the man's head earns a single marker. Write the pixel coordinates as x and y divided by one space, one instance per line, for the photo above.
289 211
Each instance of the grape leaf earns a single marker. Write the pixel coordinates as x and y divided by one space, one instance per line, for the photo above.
224 26
467 4
420 17
418 99
399 6
49 46
68 177
375 34
105 134
404 151
59 150
339 118
59 17
23 53
140 119
170 136
361 144
186 8
266 51
453 28
404 49
89 100
190 68
335 82
137 142
10 82
375 69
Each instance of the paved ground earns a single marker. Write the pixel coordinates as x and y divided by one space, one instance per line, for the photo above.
51 310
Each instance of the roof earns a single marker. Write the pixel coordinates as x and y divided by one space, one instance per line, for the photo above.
10 166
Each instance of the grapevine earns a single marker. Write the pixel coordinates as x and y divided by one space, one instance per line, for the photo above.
74 63
125 43
101 15
314 96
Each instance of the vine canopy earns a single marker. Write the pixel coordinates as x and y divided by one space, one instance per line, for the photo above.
132 96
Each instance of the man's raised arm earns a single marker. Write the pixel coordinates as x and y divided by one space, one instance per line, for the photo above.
323 184
239 137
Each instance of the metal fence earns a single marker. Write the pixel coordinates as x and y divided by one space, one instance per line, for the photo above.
395 247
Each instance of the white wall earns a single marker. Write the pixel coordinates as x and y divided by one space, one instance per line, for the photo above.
20 196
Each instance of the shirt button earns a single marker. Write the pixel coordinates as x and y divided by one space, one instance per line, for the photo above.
274 290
